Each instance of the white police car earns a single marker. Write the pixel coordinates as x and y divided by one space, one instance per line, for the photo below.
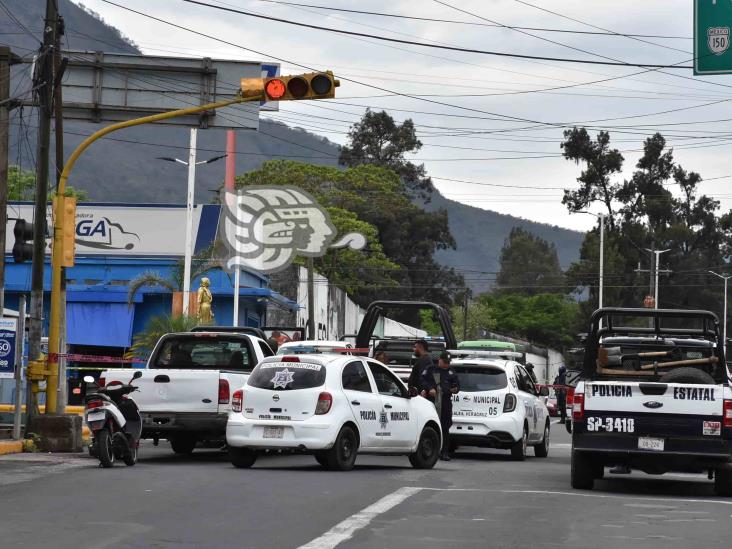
498 405
332 406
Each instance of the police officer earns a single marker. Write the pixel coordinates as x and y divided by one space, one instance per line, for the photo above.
560 390
423 362
439 383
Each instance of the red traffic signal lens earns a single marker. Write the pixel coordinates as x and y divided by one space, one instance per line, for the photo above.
298 87
321 84
275 88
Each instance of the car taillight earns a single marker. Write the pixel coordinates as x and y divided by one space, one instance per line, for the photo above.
325 400
237 400
223 391
94 404
578 407
290 358
570 396
102 381
728 413
509 405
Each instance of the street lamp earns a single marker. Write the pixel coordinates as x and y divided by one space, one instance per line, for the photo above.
601 217
724 329
189 211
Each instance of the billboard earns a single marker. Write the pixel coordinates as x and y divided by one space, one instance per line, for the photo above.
135 230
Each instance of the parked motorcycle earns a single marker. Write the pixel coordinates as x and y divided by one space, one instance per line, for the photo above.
114 420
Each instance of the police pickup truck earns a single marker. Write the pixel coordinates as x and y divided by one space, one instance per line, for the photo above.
654 395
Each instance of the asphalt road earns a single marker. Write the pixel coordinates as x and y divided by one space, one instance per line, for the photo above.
481 499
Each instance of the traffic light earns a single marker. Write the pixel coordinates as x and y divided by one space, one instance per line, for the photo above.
23 247
68 230
313 85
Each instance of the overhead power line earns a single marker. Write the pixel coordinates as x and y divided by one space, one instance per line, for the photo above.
435 46
469 23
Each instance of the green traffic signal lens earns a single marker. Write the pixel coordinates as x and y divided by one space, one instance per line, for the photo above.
321 84
298 87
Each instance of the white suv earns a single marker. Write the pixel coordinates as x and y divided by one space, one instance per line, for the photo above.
334 407
498 406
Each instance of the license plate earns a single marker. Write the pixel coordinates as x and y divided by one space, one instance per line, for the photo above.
274 432
654 444
99 416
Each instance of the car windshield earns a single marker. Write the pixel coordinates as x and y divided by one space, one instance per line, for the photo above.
210 351
287 376
480 378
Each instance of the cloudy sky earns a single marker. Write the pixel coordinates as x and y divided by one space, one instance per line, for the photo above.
493 122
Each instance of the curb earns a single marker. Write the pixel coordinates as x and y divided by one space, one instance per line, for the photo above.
11 447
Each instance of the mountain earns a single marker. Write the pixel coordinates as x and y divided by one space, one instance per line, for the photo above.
124 167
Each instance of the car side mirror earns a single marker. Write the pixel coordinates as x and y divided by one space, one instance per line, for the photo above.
544 391
137 375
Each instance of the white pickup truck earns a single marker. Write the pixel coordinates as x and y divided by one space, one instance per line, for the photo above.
185 390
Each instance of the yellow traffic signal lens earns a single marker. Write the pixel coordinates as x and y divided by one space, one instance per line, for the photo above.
298 87
275 89
321 84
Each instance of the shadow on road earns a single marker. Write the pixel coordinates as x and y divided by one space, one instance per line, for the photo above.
654 487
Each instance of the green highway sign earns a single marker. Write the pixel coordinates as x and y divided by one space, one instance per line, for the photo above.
712 24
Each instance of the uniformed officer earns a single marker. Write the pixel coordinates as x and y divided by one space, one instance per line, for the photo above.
439 383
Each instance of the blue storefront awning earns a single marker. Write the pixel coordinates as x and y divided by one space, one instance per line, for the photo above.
104 324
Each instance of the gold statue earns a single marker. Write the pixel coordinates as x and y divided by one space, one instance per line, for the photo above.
205 312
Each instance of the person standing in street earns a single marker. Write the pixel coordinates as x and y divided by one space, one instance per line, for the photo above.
560 383
423 362
438 385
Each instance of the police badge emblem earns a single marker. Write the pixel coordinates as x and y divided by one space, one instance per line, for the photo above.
718 39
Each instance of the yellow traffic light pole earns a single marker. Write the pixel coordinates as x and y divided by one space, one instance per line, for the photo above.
36 371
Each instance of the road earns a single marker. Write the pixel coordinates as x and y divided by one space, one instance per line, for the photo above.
481 499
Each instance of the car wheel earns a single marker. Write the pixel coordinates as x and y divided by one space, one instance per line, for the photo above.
583 477
518 448
242 458
342 456
105 448
428 449
183 445
321 458
130 456
723 482
542 450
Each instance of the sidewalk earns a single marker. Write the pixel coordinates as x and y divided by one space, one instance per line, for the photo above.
17 468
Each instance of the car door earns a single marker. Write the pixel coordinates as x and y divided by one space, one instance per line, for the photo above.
397 427
364 402
528 395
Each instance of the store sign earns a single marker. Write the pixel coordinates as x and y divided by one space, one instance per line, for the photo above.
7 347
124 230
266 228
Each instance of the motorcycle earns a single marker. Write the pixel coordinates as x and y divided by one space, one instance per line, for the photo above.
114 420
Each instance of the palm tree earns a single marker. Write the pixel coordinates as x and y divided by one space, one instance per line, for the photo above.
201 263
156 327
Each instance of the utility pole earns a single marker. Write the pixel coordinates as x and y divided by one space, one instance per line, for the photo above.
189 221
5 57
20 343
466 295
43 82
724 328
657 263
311 298
59 66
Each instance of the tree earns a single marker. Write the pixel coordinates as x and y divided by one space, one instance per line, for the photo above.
22 183
529 265
545 319
157 326
402 234
644 213
377 139
480 320
201 263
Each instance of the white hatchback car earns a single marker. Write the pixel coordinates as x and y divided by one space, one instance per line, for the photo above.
499 406
332 406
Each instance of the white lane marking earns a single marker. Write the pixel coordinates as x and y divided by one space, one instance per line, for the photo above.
344 530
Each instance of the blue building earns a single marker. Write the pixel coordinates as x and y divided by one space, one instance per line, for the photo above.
116 243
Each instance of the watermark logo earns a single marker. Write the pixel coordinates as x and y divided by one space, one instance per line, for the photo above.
265 228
